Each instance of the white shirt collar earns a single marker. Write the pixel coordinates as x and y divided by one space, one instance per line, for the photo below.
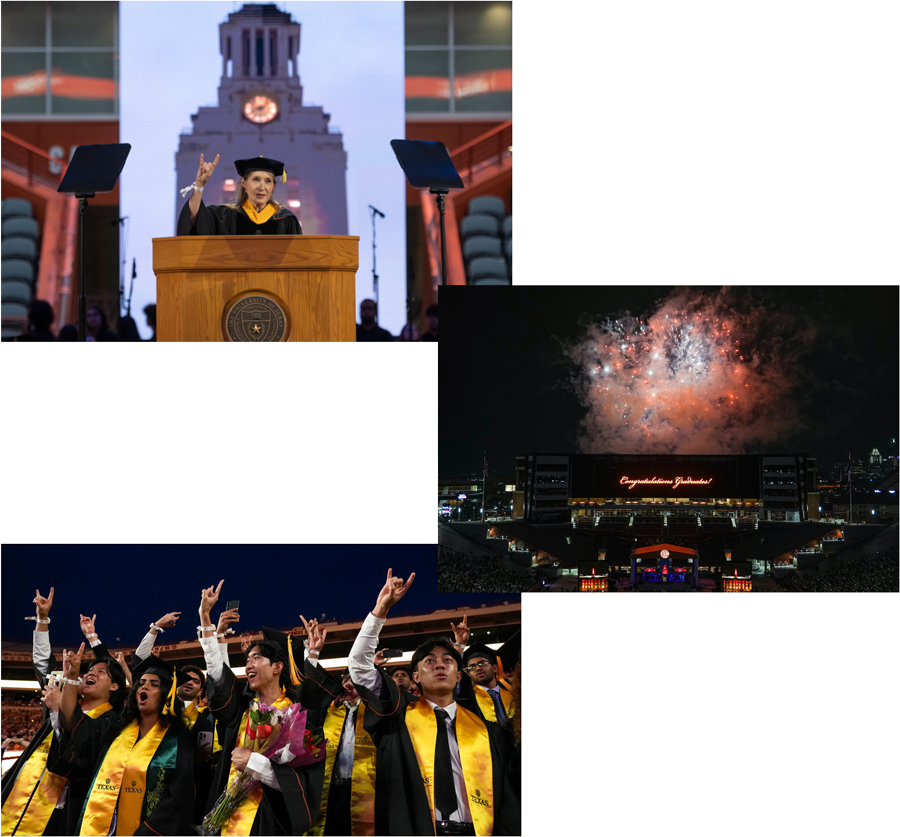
450 710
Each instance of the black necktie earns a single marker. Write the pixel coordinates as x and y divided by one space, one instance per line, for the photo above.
499 708
444 791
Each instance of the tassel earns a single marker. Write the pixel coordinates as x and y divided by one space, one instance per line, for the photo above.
295 674
170 700
500 674
284 175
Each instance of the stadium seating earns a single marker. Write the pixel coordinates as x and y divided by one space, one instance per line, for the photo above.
12 207
19 253
481 245
488 267
479 225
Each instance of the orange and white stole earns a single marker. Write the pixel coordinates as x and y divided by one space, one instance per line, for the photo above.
474 754
45 798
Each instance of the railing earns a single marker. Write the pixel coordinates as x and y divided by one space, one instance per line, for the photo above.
490 149
34 170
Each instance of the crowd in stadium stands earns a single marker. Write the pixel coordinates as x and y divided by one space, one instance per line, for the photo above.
876 573
19 724
41 318
220 442
458 573
21 700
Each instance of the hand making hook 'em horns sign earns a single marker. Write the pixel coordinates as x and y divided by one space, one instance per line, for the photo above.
394 589
205 171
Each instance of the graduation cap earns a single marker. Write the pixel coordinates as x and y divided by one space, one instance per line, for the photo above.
273 167
478 649
164 671
291 647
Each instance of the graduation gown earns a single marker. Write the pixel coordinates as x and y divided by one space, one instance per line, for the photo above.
200 721
223 220
293 809
401 803
57 824
82 752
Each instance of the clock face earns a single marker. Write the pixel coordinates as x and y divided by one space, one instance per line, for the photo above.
664 554
260 109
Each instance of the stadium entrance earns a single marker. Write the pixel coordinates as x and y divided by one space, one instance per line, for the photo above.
665 564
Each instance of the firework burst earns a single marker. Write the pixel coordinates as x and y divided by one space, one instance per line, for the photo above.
681 380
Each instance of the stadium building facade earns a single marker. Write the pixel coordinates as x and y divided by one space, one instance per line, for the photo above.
588 489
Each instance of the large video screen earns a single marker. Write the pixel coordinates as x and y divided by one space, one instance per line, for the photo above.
350 64
637 477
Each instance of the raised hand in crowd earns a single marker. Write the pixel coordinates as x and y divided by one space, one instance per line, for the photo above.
87 624
246 642
42 608
208 598
315 637
394 589
51 696
461 631
167 621
226 619
379 657
119 657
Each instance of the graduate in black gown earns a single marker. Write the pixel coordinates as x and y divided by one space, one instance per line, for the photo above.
254 212
141 769
441 768
288 800
35 800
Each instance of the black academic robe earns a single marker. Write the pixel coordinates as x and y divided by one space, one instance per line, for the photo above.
82 751
203 731
58 819
223 220
294 808
401 804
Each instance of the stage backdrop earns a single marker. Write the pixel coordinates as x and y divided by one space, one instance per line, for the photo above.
350 64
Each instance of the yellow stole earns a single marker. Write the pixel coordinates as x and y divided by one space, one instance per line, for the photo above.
258 217
49 789
124 768
474 753
241 820
189 716
362 788
486 703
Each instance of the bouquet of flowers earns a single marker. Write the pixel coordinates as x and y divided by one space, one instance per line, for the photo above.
280 735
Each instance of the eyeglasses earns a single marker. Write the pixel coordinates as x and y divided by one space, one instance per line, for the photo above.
480 665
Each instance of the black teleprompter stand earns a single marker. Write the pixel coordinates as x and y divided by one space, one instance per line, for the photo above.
427 165
93 169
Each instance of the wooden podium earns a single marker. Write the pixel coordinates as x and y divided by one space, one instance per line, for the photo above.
251 288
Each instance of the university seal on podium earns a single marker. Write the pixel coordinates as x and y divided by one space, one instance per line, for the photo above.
256 317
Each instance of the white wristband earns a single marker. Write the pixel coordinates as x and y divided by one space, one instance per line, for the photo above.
207 630
88 636
38 620
187 189
72 682
312 653
154 625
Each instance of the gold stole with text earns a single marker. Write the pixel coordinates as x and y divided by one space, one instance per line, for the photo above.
474 753
46 796
122 780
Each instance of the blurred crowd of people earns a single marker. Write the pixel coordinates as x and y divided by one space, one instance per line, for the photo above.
41 319
875 574
459 573
220 442
20 723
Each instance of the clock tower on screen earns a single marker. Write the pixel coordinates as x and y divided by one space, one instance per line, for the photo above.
261 112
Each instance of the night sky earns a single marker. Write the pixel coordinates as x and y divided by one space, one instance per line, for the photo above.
506 381
130 586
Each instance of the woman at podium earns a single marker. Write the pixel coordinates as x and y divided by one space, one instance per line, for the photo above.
253 212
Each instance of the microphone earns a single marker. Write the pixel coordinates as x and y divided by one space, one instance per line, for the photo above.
377 212
134 268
